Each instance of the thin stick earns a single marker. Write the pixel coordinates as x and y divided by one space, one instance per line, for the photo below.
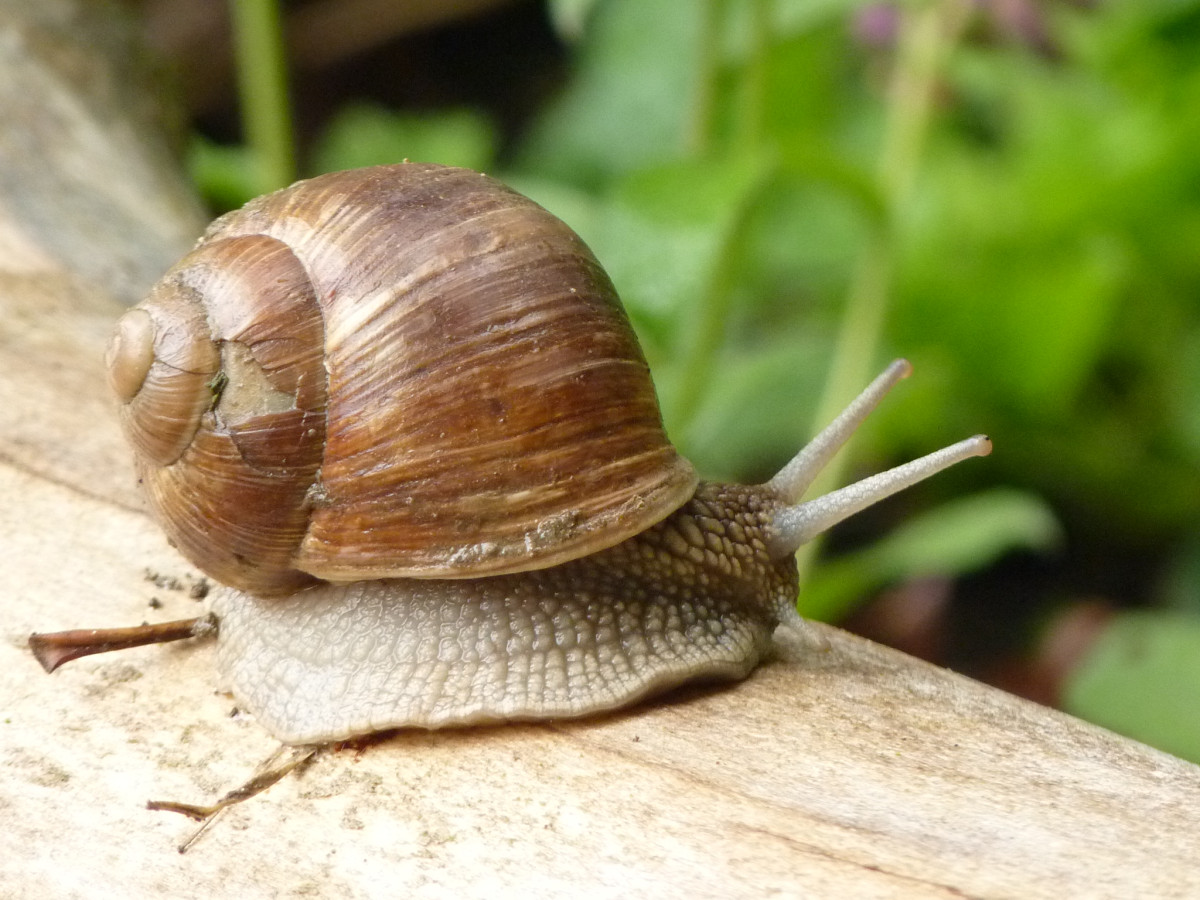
56 648
268 774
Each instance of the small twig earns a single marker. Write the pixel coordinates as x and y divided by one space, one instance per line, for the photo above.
270 772
56 648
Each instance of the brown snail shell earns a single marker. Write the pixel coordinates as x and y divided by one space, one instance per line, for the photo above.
408 371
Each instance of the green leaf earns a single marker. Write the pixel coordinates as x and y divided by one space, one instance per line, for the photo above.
632 99
1142 679
225 175
754 417
954 538
669 223
363 134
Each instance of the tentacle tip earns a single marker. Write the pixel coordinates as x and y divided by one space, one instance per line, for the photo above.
983 445
901 367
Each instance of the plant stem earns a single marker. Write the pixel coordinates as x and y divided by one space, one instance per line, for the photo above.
706 332
262 89
702 340
927 33
753 88
708 68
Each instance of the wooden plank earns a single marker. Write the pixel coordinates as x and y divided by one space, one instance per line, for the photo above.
840 769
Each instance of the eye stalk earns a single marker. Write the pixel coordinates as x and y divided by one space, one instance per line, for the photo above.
797 525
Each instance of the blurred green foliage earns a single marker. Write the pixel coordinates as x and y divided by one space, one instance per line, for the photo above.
787 192
1142 679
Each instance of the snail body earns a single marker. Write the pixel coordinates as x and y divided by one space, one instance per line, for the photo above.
400 415
585 636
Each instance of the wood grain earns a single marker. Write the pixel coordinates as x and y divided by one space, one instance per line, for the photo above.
840 769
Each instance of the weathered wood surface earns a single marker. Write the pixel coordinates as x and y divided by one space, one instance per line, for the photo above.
843 769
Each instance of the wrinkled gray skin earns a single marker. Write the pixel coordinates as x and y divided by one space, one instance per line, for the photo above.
694 597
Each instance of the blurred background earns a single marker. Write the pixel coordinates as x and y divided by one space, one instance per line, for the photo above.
788 193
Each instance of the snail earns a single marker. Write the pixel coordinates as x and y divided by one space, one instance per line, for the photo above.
400 416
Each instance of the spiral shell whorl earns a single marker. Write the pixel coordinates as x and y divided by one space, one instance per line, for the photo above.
239 388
